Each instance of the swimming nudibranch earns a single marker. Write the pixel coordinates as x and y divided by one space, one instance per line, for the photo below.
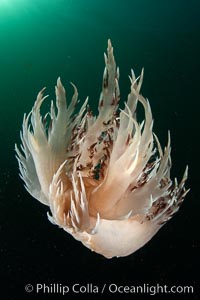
105 179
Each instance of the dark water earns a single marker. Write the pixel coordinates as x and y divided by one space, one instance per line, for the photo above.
43 39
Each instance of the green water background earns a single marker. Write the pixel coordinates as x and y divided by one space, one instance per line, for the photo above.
43 39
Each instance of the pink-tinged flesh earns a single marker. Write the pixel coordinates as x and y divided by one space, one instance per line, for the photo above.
105 178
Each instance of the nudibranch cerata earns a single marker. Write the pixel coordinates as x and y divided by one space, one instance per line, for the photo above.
105 178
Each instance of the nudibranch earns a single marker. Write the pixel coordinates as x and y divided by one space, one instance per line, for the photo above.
105 178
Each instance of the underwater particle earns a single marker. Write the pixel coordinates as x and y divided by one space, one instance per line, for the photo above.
105 178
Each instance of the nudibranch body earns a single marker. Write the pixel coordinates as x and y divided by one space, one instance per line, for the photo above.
105 179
